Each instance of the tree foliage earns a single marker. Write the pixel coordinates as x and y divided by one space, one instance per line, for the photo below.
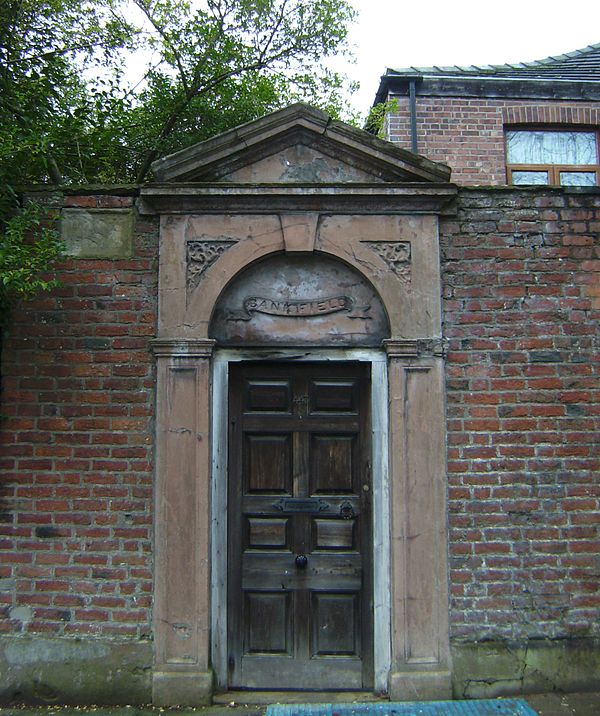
30 244
44 103
95 90
41 95
378 117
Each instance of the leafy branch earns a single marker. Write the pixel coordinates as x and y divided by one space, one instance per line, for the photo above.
30 245
202 67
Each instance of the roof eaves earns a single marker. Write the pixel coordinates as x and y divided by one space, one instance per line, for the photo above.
491 78
468 69
490 86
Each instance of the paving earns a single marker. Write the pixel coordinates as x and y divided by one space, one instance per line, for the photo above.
555 704
549 704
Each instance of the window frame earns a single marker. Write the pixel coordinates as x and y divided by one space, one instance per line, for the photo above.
553 170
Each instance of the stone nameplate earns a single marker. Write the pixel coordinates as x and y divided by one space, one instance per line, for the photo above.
297 308
97 233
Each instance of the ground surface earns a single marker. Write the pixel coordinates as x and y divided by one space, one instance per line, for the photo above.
554 704
566 704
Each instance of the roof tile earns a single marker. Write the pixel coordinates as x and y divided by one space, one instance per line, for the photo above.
579 65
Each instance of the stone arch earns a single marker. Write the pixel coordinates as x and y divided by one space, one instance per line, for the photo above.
392 261
299 299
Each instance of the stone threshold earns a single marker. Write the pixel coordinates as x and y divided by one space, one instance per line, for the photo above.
264 698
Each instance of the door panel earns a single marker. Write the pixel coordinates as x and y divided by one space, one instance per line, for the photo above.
268 624
265 533
331 463
333 534
299 576
338 397
335 628
268 464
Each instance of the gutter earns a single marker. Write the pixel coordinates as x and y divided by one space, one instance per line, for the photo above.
440 85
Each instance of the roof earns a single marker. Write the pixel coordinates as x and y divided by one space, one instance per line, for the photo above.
574 75
578 65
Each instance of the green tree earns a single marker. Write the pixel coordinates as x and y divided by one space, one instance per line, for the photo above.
69 112
30 245
44 102
42 42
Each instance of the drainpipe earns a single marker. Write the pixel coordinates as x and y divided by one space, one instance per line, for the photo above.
412 94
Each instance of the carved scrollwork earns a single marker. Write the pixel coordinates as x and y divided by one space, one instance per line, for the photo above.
396 254
201 255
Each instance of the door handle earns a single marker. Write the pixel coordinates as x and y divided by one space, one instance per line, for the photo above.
347 511
301 561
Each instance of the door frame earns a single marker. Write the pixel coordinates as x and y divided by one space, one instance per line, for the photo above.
381 502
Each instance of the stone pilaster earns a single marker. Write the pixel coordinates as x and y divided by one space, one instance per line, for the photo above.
182 672
420 643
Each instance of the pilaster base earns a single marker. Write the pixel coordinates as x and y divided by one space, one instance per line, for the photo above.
420 686
177 688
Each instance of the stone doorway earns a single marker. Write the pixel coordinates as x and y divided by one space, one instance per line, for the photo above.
282 272
372 673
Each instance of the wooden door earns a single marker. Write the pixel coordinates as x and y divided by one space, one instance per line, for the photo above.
299 537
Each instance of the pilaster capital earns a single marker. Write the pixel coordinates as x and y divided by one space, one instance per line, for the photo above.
414 347
183 347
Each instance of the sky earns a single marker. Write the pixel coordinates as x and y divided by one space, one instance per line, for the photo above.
400 33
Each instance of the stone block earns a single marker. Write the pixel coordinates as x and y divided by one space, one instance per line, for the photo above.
492 669
182 688
420 685
44 670
98 233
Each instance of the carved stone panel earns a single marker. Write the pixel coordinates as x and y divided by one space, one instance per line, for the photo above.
396 255
300 300
201 254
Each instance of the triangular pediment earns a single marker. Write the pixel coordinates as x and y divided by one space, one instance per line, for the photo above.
298 144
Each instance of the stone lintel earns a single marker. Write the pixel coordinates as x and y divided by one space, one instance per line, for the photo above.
182 688
402 198
183 348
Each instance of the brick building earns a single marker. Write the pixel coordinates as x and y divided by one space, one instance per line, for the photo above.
305 414
528 123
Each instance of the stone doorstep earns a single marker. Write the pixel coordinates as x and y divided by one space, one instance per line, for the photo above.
264 698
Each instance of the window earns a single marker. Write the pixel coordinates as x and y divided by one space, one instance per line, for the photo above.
563 157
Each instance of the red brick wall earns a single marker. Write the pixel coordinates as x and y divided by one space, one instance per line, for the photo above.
468 133
77 449
521 273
